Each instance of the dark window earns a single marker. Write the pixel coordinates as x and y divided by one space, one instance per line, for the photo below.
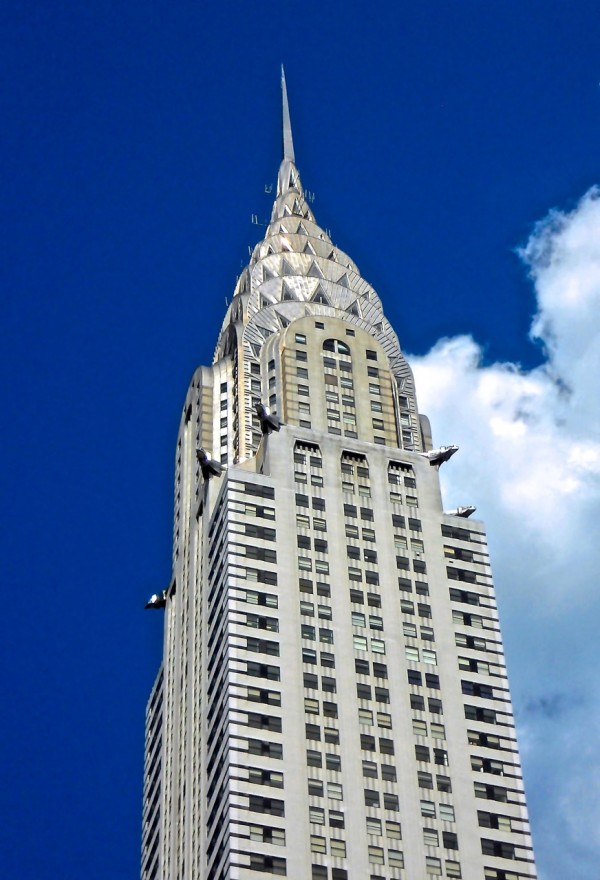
390 801
386 746
262 670
382 695
422 753
473 689
309 655
265 805
369 769
264 722
367 742
464 596
424 779
461 574
456 533
260 491
478 713
497 848
361 667
491 792
443 783
268 864
333 762
262 646
388 772
440 756
371 797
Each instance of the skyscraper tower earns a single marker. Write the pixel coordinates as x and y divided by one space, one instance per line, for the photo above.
332 701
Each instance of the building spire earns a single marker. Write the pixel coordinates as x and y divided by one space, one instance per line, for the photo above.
288 143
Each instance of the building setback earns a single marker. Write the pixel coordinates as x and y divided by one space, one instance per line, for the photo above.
333 700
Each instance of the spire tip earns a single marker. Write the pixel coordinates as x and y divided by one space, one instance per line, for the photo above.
288 143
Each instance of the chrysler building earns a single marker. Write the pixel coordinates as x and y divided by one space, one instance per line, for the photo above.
332 702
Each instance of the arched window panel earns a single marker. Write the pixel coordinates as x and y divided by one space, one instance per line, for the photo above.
337 346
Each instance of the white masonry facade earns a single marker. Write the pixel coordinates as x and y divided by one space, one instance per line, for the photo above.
332 702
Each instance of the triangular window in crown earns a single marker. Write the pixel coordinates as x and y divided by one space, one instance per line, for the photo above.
265 303
286 269
286 211
268 273
255 349
314 271
319 296
353 309
270 251
282 320
283 229
265 331
298 208
331 256
301 229
343 280
308 248
287 294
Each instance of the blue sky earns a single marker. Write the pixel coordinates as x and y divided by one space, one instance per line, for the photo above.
138 140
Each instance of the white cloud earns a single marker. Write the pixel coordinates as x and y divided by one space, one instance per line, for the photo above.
530 461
